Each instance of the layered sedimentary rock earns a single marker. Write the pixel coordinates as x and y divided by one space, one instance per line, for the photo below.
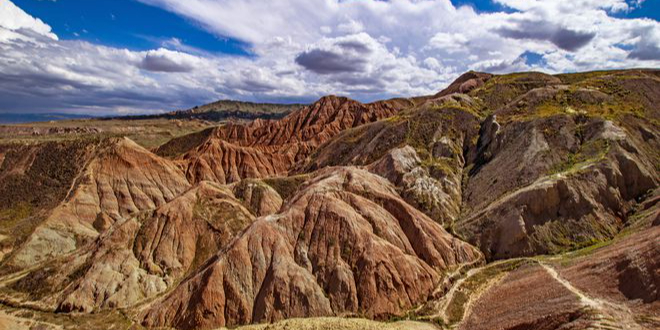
466 83
34 179
422 153
625 273
142 256
258 196
120 180
345 243
265 148
544 185
343 208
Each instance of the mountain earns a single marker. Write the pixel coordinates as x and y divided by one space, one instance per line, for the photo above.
227 109
519 201
149 131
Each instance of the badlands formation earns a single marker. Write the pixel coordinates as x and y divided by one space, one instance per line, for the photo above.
520 201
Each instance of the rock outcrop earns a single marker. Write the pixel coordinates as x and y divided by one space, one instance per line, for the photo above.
142 256
379 210
265 148
626 272
614 287
422 152
547 185
33 180
119 181
466 83
345 243
258 196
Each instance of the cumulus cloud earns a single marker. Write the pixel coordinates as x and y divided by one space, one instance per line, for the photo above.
647 46
13 18
646 51
328 62
347 54
501 66
163 60
562 37
302 49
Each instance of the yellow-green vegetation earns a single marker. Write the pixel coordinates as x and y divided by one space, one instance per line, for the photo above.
614 110
148 133
422 127
426 126
500 90
460 102
286 186
226 216
636 222
572 78
446 165
612 95
589 153
567 235
111 319
11 215
475 284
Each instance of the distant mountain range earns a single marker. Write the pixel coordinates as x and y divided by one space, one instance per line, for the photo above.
226 109
216 111
18 118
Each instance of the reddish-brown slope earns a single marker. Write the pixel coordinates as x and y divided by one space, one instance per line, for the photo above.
615 287
270 147
141 256
121 180
345 243
626 273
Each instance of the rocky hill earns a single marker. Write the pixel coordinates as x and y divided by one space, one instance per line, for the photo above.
227 109
520 201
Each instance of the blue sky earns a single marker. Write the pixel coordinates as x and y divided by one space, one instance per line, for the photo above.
126 23
139 26
141 56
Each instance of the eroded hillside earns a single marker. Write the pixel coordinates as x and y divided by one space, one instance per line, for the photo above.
522 201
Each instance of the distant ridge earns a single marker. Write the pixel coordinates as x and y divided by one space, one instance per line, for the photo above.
19 118
226 109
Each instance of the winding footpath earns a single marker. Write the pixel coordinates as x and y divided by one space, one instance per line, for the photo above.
607 315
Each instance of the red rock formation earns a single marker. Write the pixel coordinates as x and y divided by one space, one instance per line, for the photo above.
626 272
345 243
142 256
259 197
526 299
271 147
465 83
121 180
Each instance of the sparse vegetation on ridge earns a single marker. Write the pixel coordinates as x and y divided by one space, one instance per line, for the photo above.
540 177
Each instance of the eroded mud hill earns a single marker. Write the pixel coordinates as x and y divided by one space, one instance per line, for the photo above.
436 207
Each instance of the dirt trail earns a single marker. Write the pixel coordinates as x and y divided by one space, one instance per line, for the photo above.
607 315
441 305
584 299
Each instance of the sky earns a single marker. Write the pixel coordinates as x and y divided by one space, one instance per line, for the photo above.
106 57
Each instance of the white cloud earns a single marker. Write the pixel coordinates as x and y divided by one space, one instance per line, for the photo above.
303 49
13 18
